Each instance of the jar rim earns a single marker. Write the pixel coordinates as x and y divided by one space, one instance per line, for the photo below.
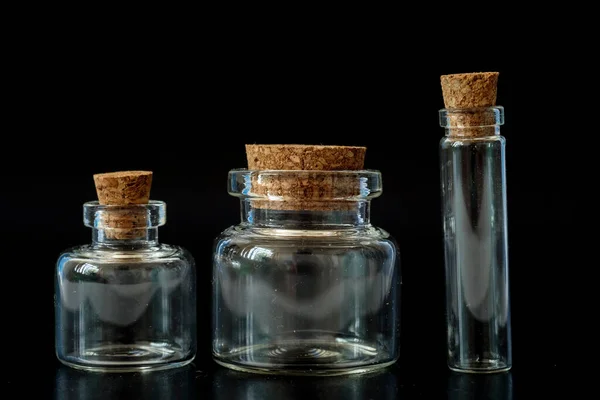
305 185
151 204
314 171
146 216
453 118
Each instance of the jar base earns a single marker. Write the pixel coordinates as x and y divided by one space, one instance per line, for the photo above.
481 367
304 372
307 357
128 358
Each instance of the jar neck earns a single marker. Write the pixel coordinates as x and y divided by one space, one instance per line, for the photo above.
137 238
472 122
129 226
328 215
472 132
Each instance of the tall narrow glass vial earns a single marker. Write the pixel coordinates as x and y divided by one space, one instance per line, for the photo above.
473 193
125 302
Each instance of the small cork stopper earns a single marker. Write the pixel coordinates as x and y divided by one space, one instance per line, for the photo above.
471 93
308 190
124 188
305 157
471 90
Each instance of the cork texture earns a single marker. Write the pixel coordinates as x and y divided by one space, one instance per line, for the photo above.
471 90
307 191
471 93
124 188
305 157
312 187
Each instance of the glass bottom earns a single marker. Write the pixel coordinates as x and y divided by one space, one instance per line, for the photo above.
307 357
129 358
480 366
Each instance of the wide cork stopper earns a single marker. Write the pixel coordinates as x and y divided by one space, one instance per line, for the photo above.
305 157
468 98
124 188
312 187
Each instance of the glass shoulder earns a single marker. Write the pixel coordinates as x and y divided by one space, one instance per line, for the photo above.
160 252
383 235
162 263
235 247
245 233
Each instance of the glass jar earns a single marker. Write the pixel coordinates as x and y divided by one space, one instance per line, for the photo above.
303 286
125 302
474 210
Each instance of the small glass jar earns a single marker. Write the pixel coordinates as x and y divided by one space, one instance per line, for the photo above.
304 286
125 302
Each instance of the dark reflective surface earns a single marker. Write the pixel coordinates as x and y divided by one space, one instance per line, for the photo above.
473 386
72 384
237 385
214 382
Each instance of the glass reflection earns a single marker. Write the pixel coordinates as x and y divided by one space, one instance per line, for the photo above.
497 386
229 384
73 384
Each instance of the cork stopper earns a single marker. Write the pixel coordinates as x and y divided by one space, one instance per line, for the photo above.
309 189
467 98
471 90
305 157
124 188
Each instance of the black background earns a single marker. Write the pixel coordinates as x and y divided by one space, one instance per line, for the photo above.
182 99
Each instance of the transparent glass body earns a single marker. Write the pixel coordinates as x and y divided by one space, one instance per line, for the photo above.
125 304
473 191
305 287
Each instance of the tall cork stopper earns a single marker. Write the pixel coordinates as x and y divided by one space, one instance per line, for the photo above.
124 188
309 189
467 98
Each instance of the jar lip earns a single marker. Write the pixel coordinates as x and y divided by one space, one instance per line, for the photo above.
152 204
137 216
472 109
471 117
305 185
309 171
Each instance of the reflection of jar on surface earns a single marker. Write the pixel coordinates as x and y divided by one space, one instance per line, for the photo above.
305 284
380 385
125 302
171 384
485 386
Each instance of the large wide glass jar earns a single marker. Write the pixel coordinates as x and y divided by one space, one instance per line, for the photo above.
305 284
